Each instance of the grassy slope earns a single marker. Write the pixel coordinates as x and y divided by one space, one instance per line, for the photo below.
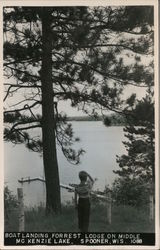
124 219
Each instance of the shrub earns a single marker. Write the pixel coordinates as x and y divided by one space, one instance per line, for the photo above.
10 207
130 192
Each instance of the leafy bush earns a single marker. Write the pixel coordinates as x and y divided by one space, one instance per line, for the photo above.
10 208
130 192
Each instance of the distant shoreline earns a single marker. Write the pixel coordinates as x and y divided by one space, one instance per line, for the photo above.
84 118
110 120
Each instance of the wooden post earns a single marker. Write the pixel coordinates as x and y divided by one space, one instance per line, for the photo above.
21 210
151 207
109 208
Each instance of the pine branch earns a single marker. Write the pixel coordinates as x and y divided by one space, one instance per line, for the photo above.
103 73
29 60
17 86
24 72
22 86
22 123
24 108
103 45
28 127
7 94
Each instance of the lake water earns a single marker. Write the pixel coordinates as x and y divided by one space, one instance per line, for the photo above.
101 144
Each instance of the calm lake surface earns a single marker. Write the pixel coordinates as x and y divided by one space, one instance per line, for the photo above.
101 144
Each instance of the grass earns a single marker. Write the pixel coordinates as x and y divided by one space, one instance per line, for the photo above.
124 219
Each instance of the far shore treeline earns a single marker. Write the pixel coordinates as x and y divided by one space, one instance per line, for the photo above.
108 120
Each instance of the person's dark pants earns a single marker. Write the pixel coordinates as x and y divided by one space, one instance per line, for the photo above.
83 214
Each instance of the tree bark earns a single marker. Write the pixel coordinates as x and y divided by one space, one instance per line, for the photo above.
53 200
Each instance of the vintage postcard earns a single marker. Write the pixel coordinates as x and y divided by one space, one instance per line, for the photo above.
80 124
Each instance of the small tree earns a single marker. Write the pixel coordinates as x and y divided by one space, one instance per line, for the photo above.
139 160
137 167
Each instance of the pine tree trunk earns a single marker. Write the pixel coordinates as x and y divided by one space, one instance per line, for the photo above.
53 202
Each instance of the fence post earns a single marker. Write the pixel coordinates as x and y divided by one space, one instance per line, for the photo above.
151 207
20 210
109 207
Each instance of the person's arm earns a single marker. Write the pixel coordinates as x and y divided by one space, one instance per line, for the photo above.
90 178
90 182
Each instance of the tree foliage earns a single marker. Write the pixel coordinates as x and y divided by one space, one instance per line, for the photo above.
10 203
114 119
139 162
130 192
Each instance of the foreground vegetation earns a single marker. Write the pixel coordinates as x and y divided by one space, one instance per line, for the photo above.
124 219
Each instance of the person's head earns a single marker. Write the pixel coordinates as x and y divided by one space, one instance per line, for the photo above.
83 176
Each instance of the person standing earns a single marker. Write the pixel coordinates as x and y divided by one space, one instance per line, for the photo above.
82 200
